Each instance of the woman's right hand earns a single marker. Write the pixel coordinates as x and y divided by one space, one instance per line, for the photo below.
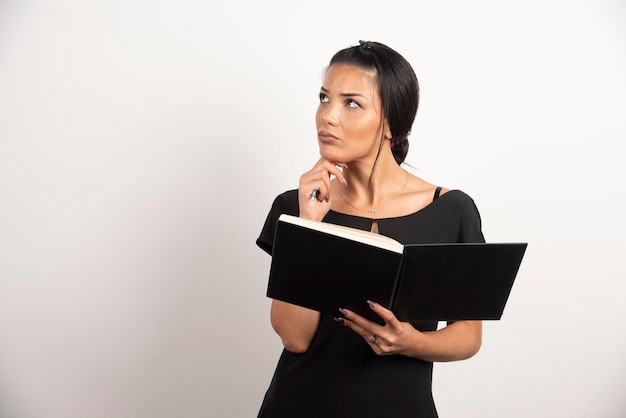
314 189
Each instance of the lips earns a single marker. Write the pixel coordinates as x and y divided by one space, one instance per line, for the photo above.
325 136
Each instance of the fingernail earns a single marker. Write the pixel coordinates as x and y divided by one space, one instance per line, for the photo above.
372 304
340 320
343 311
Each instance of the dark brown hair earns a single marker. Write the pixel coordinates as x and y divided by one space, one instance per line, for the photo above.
397 87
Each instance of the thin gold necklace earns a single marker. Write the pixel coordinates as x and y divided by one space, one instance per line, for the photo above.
372 211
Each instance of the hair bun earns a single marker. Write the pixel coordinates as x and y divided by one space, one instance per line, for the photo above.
400 149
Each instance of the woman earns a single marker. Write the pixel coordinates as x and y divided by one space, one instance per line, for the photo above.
348 366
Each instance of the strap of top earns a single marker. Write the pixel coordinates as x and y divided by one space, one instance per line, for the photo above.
437 193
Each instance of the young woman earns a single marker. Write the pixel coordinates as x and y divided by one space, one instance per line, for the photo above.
347 366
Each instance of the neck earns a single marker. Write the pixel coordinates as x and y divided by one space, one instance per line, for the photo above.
369 189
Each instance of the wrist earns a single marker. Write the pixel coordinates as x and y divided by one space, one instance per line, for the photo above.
417 344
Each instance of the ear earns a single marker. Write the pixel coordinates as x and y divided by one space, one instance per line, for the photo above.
387 130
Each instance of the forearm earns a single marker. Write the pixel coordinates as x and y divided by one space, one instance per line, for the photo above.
295 325
457 341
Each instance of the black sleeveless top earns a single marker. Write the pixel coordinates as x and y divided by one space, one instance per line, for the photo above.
339 376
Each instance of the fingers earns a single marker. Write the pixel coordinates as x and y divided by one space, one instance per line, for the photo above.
387 316
315 188
382 339
315 185
374 340
370 331
318 179
333 169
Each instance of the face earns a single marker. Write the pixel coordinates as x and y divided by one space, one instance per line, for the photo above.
349 117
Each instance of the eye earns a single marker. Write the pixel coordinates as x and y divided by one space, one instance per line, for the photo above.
323 98
352 104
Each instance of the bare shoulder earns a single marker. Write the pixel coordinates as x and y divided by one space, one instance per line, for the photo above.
443 191
419 187
420 193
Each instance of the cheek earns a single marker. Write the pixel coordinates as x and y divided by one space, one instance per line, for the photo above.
369 132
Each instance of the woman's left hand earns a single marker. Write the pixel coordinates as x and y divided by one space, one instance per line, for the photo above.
457 341
394 337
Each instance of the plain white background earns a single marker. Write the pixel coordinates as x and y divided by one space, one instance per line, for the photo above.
142 143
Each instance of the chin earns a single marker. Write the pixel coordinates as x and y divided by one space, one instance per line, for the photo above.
335 157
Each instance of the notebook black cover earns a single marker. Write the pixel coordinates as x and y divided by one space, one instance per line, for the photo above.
445 282
457 281
325 272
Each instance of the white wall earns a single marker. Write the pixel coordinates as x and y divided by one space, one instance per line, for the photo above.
142 142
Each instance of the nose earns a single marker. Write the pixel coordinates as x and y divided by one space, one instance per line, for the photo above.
329 114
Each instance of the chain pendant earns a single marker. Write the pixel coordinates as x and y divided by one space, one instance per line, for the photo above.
372 211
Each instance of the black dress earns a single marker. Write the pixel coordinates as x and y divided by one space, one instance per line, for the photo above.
339 376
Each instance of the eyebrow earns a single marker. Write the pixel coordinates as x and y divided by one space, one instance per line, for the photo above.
347 94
